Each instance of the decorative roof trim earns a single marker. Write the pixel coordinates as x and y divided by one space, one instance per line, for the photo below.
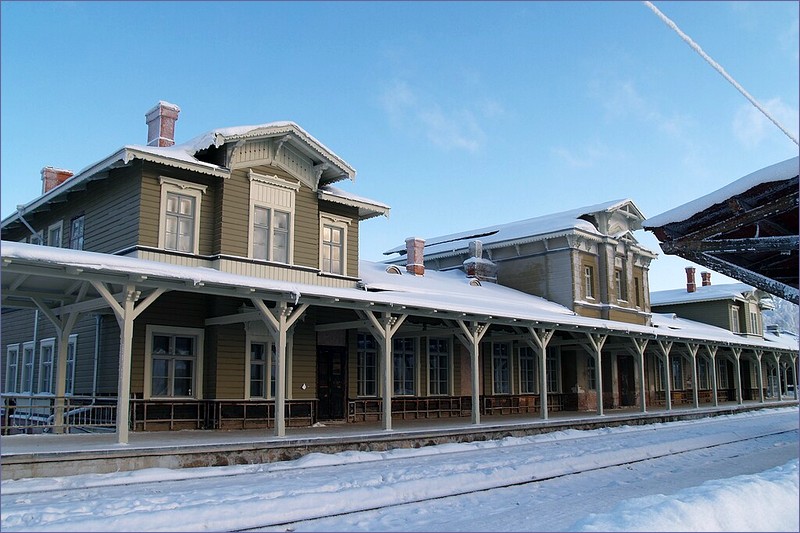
366 209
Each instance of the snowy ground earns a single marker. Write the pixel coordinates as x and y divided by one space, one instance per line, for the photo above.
730 473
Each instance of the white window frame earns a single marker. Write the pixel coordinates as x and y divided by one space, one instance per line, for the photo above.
275 194
184 188
449 356
28 367
46 366
753 322
361 377
736 325
12 368
553 370
703 373
622 286
342 223
270 365
529 356
72 351
73 244
197 377
400 354
591 373
588 281
676 372
60 227
507 357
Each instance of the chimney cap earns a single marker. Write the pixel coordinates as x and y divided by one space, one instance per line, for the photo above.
162 104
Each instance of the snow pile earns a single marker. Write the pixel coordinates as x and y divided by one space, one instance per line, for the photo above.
758 502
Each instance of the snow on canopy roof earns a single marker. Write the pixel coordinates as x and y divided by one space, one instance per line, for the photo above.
707 293
219 136
778 172
521 230
438 291
367 208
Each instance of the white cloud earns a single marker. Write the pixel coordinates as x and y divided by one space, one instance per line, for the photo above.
751 126
588 155
457 129
621 100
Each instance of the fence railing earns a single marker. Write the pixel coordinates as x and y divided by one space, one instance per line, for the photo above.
49 414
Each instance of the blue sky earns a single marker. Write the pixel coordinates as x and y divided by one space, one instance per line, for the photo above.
458 115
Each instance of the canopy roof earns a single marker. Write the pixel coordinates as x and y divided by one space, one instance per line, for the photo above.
57 278
747 230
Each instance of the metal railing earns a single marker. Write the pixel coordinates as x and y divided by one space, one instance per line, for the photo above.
27 413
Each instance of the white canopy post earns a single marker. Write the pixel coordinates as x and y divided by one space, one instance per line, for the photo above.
665 347
596 341
540 338
712 356
693 347
125 313
781 370
278 322
383 330
759 356
471 336
63 328
641 345
737 353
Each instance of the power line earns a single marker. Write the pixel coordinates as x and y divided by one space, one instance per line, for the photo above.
718 68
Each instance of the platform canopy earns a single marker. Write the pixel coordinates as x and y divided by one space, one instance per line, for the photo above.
748 230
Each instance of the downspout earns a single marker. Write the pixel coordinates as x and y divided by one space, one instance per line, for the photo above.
98 321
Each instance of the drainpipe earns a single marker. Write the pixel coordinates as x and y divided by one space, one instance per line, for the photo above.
98 321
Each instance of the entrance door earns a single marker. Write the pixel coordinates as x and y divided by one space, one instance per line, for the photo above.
331 382
747 384
626 380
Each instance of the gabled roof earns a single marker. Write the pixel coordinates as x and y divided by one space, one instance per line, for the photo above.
584 219
300 138
707 293
184 156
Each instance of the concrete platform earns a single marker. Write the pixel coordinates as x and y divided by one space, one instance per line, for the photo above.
25 456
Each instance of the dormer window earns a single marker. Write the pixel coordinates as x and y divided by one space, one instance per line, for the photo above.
272 201
179 227
333 244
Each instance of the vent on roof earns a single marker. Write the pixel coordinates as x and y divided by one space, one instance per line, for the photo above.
393 269
475 282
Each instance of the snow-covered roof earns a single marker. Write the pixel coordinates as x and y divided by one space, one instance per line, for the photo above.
777 172
366 208
184 156
448 293
707 293
220 136
528 230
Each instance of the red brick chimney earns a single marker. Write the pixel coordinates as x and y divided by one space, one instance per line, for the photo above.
52 177
477 267
415 256
691 286
706 278
161 124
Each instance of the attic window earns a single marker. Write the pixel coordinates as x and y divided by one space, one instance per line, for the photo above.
475 282
394 269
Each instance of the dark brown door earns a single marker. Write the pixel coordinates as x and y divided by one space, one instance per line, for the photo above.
331 382
626 380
